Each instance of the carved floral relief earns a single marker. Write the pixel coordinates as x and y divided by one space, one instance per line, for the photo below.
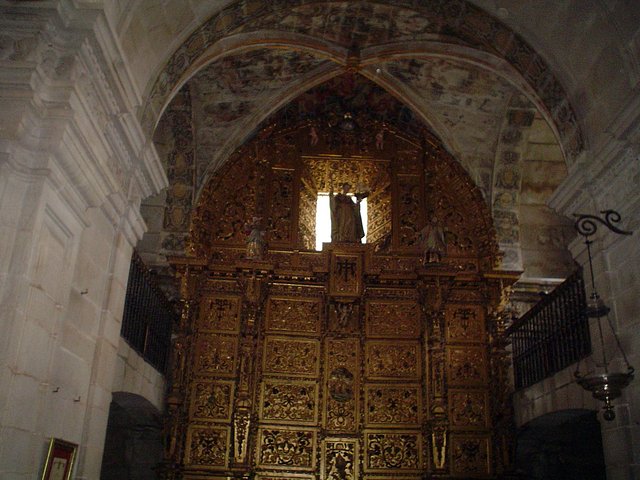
207 446
293 316
470 455
393 451
393 360
293 357
393 319
466 366
212 400
291 449
468 408
392 405
289 402
216 354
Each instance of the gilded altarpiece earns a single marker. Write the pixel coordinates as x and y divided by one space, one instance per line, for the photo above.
357 362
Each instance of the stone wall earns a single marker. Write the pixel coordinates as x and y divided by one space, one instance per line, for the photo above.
73 168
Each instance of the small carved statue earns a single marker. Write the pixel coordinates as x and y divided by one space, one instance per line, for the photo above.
346 222
343 313
256 243
433 242
313 134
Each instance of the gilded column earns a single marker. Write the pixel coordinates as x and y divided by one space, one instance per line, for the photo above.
176 415
244 416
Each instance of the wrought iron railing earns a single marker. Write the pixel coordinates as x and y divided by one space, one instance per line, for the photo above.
552 335
148 316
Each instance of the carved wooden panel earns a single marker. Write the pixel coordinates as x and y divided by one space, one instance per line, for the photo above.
288 449
342 382
211 401
339 459
389 360
393 319
409 207
470 455
216 354
396 451
207 446
287 402
282 216
291 357
468 408
293 316
219 314
464 323
466 365
288 476
346 274
392 405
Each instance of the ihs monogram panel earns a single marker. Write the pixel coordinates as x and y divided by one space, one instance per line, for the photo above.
465 324
220 313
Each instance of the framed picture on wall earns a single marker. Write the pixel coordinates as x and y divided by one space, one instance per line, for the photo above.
60 458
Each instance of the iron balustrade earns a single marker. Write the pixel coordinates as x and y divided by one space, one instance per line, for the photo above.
148 316
552 335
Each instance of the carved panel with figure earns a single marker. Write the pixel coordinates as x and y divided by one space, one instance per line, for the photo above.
342 385
339 459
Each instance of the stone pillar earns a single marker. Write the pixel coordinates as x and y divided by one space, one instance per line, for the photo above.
74 165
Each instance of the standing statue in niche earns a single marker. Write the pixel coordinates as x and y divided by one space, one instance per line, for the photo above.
433 242
346 222
256 243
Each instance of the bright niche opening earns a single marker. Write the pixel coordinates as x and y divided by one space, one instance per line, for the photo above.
323 219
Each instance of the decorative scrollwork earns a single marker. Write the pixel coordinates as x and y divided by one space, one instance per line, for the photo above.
587 225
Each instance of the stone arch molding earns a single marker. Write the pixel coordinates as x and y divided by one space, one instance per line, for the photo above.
383 30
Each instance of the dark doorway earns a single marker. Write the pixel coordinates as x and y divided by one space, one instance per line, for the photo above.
564 445
133 445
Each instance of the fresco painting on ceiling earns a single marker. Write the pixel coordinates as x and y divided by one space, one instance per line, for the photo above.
366 24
